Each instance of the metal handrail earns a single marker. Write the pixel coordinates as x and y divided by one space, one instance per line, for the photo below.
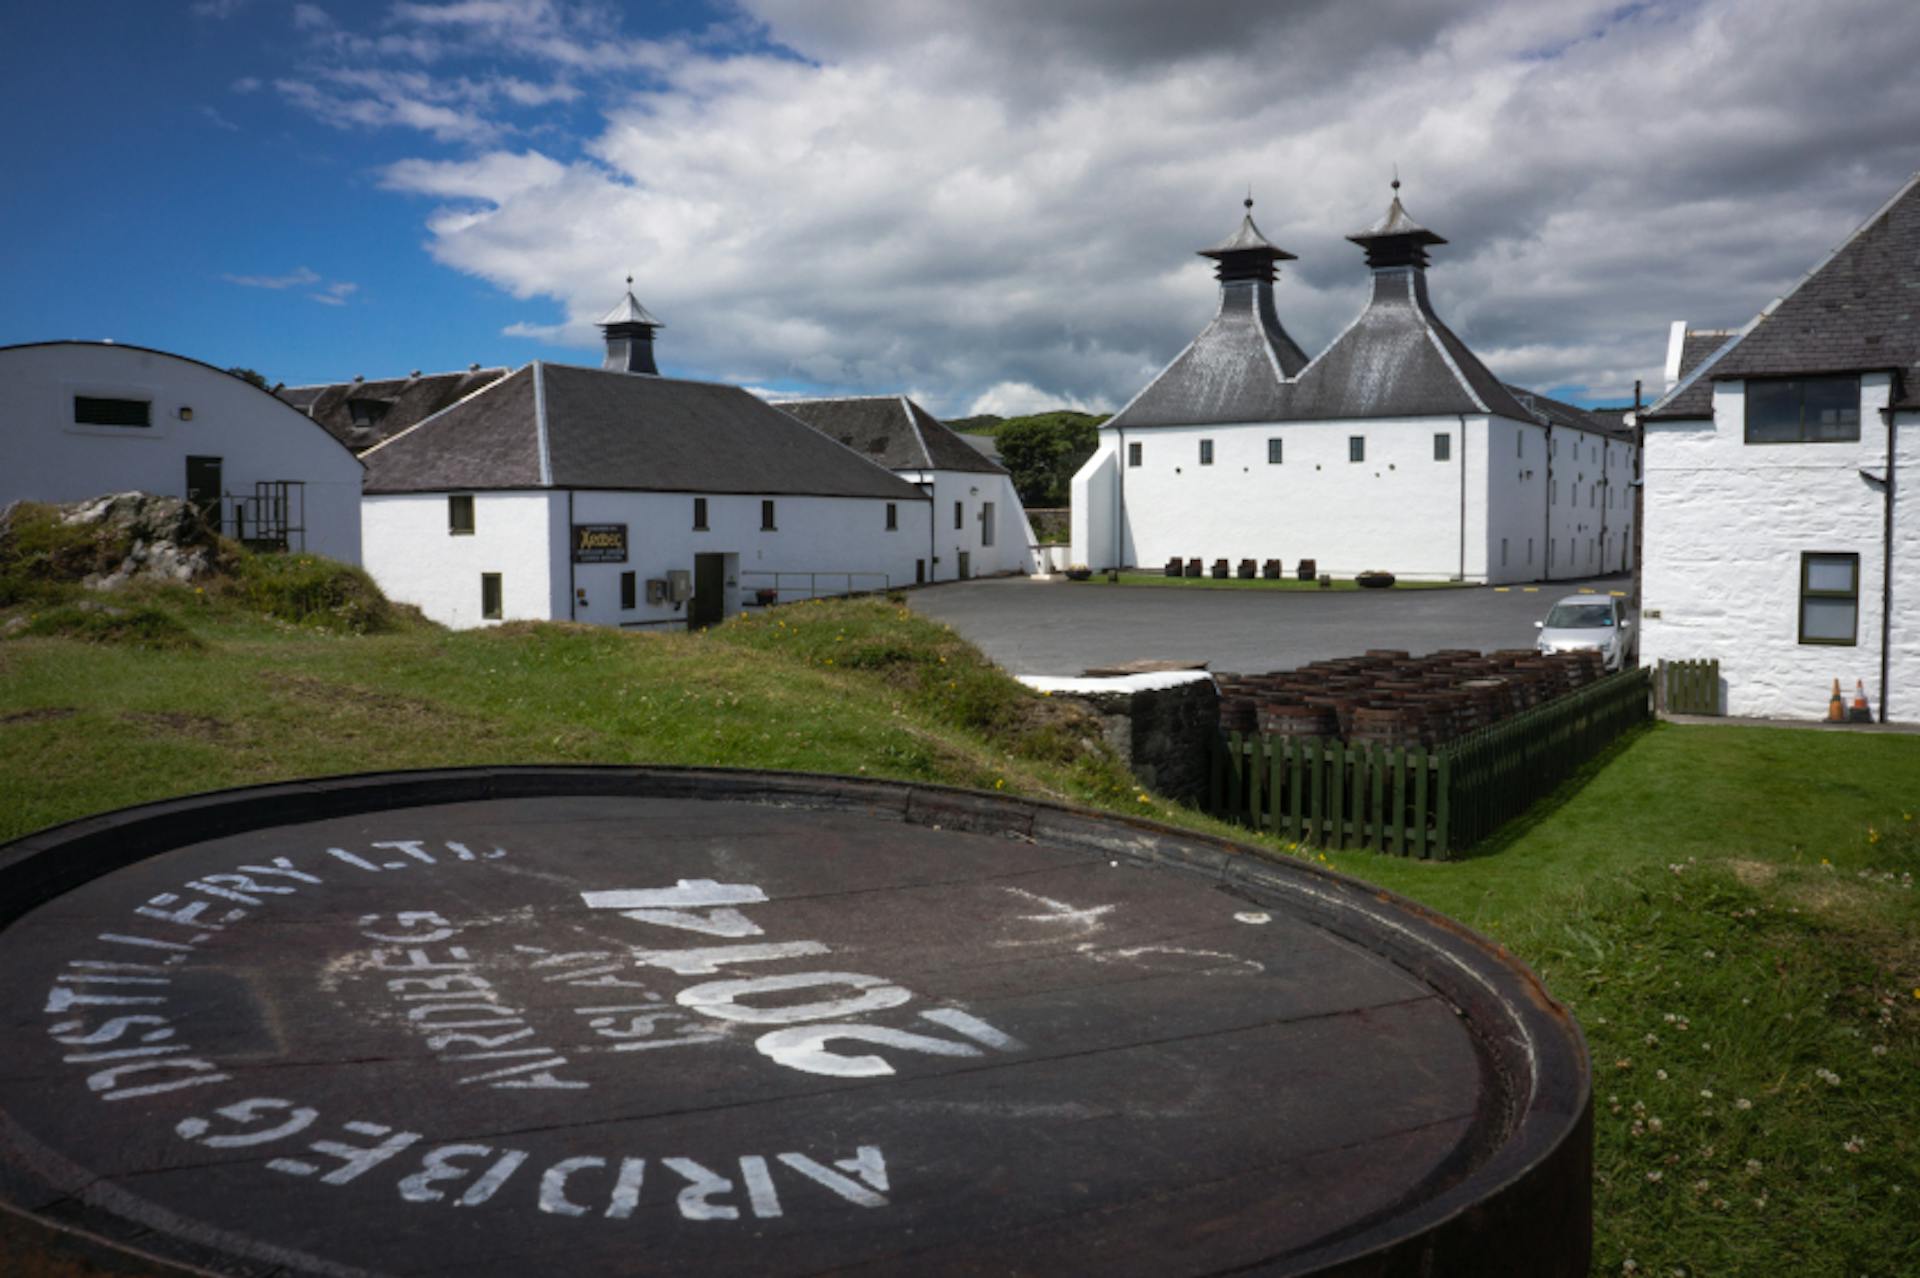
813 582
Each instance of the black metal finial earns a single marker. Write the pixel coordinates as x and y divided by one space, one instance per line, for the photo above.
1249 199
629 283
1396 179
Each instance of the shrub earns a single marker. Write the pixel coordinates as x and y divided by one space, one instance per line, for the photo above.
309 590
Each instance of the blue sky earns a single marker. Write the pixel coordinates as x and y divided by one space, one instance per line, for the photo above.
991 205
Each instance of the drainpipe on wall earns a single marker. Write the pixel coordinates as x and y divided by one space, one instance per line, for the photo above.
1886 546
1463 497
573 596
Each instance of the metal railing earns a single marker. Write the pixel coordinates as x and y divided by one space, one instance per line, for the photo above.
788 586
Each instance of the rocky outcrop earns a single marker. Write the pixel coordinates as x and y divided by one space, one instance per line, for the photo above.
109 542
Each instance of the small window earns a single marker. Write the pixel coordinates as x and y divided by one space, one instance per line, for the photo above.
959 515
1803 410
1503 552
1133 454
1829 598
986 523
1529 552
1274 454
766 517
1519 443
1442 447
460 515
91 410
893 517
1206 452
700 514
1356 448
490 596
629 592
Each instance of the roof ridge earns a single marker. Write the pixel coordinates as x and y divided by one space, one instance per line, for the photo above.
433 417
906 407
406 377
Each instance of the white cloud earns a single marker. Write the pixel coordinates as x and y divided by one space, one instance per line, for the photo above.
298 278
311 17
219 121
246 84
217 9
1015 399
336 294
1001 200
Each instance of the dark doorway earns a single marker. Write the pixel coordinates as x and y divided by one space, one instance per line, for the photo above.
203 489
709 602
966 565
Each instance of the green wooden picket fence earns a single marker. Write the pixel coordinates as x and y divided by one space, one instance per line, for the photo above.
1411 801
1689 687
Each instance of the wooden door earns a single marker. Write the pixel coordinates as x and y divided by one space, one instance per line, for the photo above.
709 602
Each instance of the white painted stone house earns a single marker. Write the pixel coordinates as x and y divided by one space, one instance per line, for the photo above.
82 419
620 497
980 528
1783 531
1393 449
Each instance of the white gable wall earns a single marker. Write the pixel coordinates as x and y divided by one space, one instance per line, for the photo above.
1903 655
1011 550
50 457
1727 523
415 559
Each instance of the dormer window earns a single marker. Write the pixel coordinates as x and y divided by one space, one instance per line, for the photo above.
366 413
1802 410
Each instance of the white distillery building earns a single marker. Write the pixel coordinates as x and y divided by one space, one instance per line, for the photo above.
980 528
1393 449
82 419
617 496
1783 532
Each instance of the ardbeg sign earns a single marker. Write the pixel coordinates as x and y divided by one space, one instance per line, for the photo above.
599 543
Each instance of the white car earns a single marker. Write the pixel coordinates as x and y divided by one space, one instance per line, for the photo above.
1590 621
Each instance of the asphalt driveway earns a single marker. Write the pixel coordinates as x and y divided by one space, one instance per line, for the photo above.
1062 627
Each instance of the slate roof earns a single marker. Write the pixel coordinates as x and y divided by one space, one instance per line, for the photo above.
1698 344
1564 416
1397 359
1857 311
1235 371
397 402
893 431
562 426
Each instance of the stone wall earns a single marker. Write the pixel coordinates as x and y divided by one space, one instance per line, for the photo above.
1161 725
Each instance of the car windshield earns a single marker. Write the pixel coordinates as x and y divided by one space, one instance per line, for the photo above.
1580 616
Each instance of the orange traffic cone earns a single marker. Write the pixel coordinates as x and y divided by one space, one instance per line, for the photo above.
1836 708
1860 712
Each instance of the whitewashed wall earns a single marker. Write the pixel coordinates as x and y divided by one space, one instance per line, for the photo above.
50 457
1095 509
1726 524
526 538
1012 549
416 560
1516 505
1903 656
842 541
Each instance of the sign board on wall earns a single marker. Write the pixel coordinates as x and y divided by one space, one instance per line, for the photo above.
599 543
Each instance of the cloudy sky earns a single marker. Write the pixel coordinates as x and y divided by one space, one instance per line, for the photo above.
990 204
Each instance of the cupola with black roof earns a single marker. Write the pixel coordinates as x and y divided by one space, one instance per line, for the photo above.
629 330
1397 359
1396 239
1236 370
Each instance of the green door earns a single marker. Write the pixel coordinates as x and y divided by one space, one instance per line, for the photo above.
203 489
709 602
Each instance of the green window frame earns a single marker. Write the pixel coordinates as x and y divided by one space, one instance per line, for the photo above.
766 516
1830 598
1276 452
700 514
1443 447
893 517
460 515
1356 448
490 596
1802 410
1206 452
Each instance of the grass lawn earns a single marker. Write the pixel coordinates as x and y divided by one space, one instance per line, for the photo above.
1729 911
1257 583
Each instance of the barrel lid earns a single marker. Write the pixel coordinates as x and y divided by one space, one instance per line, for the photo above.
662 1020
